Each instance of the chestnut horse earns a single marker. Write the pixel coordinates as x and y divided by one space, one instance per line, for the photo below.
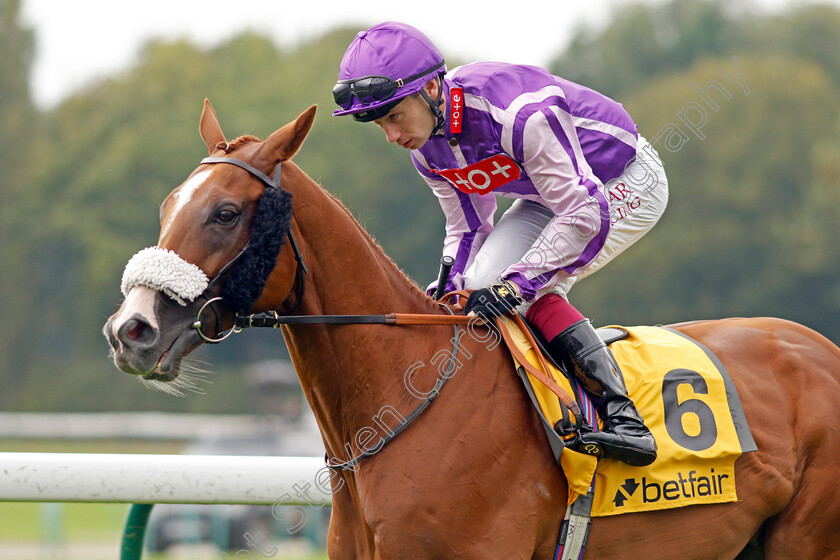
472 476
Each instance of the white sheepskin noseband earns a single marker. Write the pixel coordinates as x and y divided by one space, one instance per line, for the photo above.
163 270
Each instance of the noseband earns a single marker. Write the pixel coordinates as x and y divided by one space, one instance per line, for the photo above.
274 195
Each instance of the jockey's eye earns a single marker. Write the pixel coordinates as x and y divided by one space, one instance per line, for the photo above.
227 217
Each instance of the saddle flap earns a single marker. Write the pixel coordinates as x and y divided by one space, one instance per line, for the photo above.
611 334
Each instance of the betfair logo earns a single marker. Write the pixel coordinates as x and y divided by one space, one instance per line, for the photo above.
692 486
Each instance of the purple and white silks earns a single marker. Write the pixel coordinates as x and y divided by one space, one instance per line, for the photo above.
568 141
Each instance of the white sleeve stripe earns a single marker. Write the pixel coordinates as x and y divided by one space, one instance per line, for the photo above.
572 138
418 157
535 97
548 147
480 103
590 124
506 117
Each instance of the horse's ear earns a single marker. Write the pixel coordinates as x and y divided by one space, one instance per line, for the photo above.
209 127
285 142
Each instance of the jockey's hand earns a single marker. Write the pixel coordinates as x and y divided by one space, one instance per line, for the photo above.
495 300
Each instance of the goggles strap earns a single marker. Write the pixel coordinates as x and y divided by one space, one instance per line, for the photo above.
435 107
399 82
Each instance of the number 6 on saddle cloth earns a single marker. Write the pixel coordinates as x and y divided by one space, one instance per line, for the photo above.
688 401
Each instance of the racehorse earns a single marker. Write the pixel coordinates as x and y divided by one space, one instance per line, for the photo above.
471 477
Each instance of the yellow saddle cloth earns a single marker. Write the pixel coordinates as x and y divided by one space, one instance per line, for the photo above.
691 406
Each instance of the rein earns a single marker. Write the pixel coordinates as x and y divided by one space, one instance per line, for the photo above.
572 420
273 319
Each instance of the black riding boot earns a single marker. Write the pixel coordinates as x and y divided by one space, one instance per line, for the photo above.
624 436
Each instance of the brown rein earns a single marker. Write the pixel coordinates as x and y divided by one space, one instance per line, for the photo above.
273 320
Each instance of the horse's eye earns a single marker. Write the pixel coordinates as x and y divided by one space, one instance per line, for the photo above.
226 217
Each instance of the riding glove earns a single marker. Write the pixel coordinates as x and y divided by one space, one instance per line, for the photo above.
495 300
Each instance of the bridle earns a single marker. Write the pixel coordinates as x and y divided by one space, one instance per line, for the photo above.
212 300
275 319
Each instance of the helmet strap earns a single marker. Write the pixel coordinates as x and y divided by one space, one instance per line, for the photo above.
435 107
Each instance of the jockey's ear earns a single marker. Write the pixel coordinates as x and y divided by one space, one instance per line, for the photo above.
209 127
432 87
286 141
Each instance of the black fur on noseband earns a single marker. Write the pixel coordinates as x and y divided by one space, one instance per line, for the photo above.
247 278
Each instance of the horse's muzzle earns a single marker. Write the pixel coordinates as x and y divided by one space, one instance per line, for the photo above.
133 344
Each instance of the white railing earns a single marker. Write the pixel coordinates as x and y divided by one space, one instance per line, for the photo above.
193 479
145 480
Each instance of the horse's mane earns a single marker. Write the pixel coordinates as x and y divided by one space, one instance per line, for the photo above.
366 234
241 141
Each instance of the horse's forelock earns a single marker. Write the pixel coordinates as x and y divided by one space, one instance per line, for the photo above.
229 147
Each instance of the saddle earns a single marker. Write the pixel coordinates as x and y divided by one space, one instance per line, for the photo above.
686 397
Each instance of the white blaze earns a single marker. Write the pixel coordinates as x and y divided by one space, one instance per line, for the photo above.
183 195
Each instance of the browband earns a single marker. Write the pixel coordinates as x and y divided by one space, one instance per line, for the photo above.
269 182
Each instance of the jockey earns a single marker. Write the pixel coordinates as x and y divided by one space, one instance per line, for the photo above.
586 186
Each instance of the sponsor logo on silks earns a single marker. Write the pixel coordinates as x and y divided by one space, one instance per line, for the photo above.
683 487
623 201
483 177
456 109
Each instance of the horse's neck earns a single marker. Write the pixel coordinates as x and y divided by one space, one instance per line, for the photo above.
350 371
349 272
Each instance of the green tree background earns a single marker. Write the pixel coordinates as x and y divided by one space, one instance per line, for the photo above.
750 228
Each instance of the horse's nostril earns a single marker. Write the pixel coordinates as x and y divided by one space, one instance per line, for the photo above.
136 332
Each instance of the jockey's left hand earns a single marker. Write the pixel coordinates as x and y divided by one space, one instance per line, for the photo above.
495 300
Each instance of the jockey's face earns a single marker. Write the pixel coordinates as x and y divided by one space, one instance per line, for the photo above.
411 122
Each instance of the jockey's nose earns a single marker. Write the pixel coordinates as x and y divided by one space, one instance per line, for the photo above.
137 334
392 133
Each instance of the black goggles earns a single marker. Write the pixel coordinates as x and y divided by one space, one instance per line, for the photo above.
372 89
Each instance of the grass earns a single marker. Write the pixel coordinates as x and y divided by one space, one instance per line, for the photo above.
49 529
231 556
89 446
55 522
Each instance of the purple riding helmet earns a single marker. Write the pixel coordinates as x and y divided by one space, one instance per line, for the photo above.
383 66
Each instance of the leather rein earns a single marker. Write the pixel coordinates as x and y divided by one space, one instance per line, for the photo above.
273 319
